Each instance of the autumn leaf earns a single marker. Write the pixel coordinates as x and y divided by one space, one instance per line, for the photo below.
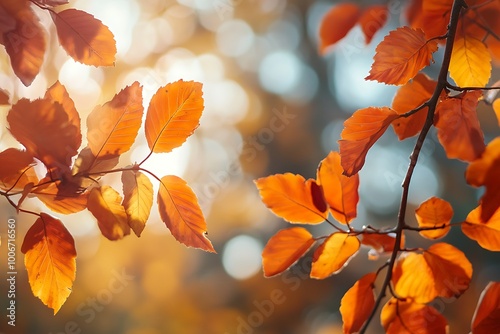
372 20
52 3
401 55
87 163
408 97
459 131
284 249
85 38
430 16
434 213
173 114
486 233
293 198
487 314
496 108
50 260
4 97
180 211
357 304
13 161
444 271
45 129
380 243
333 255
470 64
361 131
138 199
24 40
408 317
340 191
105 204
336 23
485 171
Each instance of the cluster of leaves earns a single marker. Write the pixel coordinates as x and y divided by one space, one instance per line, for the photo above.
68 178
471 35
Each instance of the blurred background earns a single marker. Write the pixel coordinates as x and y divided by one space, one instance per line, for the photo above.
272 105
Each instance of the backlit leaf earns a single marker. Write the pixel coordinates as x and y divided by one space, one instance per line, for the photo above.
173 114
408 317
496 108
113 127
337 22
401 55
486 318
357 304
293 198
284 249
434 212
333 255
408 97
61 196
50 260
380 243
138 199
340 191
13 161
459 130
486 233
87 163
443 271
180 211
470 64
485 171
372 20
85 38
105 204
361 131
4 97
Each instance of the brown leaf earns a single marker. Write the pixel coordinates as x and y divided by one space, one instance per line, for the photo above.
138 199
13 161
357 304
333 255
50 260
85 38
4 97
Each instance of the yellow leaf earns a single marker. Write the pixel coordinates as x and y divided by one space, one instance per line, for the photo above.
470 64
333 255
50 260
138 199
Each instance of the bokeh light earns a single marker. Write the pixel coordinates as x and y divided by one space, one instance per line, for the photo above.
242 257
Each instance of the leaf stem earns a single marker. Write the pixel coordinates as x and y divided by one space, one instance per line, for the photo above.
432 103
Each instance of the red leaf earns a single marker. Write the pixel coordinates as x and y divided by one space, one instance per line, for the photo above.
336 24
380 243
357 304
401 55
486 319
284 249
84 37
360 132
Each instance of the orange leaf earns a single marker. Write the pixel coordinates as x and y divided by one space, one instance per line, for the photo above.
84 37
50 260
112 128
138 199
44 128
341 192
336 24
87 162
284 249
372 20
180 211
430 16
486 318
408 97
13 161
4 97
486 233
443 271
485 171
470 64
24 41
292 198
408 317
357 304
459 130
380 243
401 55
61 196
360 132
173 114
333 255
434 213
105 204
496 108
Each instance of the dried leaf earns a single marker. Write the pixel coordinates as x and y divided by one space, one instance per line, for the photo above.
357 304
401 55
340 191
336 23
50 260
361 131
470 64
293 198
180 211
173 114
85 38
333 255
284 249
138 199
434 213
487 315
486 233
